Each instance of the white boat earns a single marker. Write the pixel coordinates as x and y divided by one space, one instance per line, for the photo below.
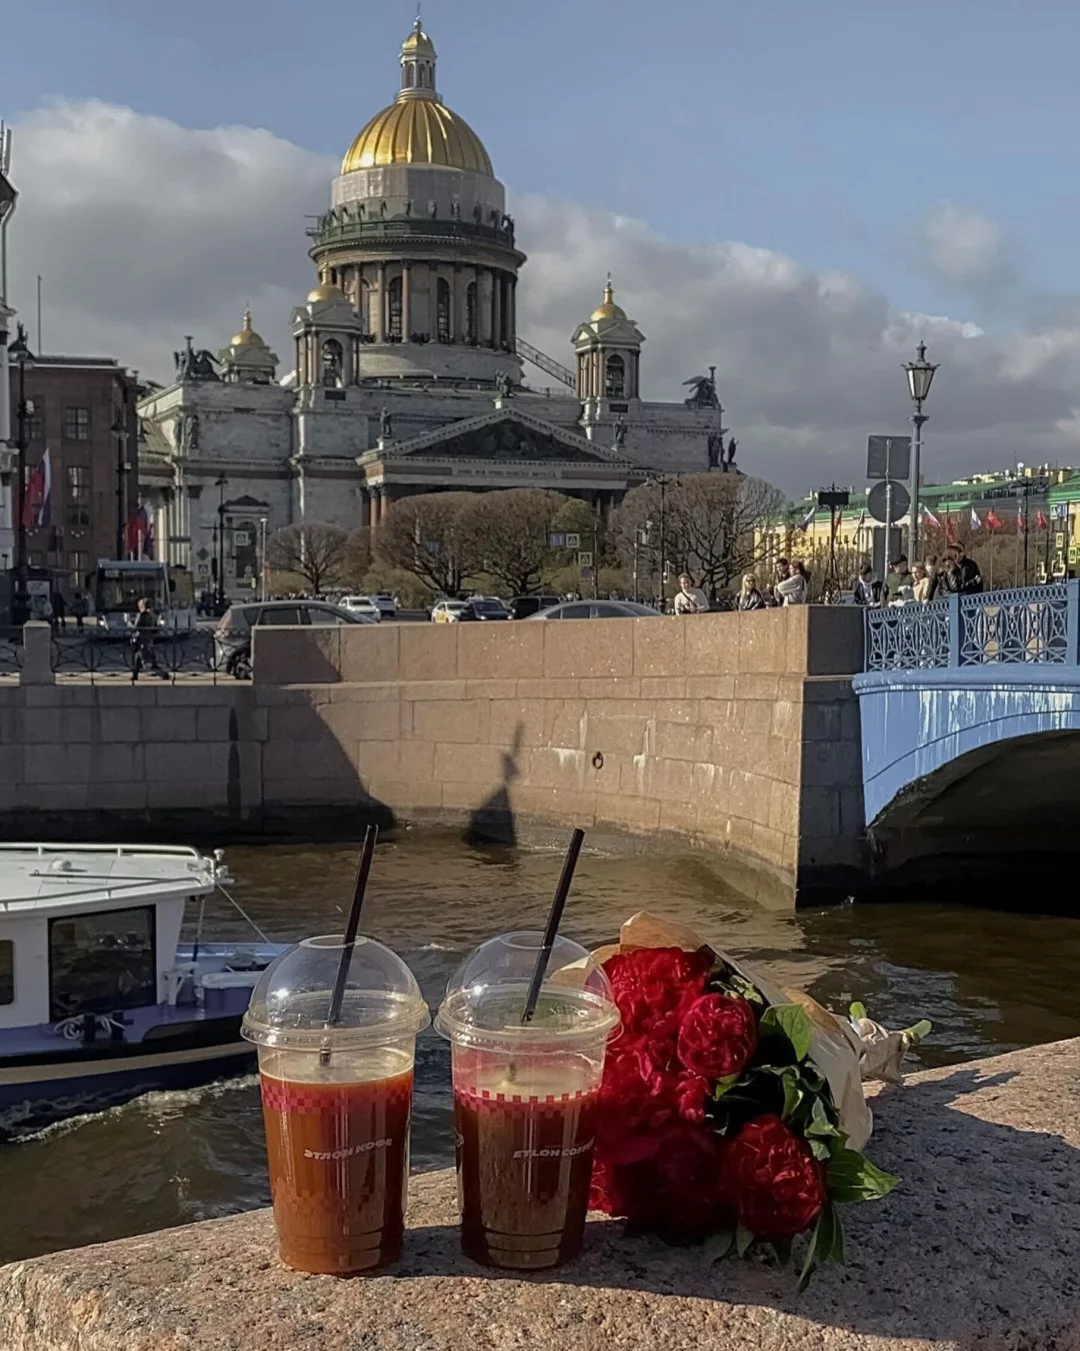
99 999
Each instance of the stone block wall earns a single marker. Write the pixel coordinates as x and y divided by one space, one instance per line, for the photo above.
732 733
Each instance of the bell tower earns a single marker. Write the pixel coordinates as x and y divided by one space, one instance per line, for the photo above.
608 349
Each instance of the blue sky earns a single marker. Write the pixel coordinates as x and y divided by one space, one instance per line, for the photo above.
795 190
824 130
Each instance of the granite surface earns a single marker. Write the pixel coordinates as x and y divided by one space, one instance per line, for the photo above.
978 1251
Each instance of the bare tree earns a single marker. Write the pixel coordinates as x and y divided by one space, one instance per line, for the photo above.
315 550
511 532
711 525
427 536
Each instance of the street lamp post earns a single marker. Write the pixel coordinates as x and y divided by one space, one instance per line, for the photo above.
120 431
20 351
221 484
662 481
262 558
920 375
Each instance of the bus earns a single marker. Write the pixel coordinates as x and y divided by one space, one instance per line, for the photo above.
116 587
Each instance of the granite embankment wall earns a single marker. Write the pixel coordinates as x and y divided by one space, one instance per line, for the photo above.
735 733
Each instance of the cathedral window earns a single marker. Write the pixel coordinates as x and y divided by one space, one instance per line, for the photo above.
615 377
471 332
442 309
332 363
393 327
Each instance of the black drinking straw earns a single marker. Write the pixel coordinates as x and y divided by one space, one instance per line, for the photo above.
558 905
352 925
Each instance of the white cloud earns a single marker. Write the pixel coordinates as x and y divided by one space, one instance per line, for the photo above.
145 231
966 249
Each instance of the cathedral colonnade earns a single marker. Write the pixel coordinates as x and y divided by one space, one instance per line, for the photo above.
439 300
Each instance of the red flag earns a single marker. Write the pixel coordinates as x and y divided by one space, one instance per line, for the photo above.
1040 521
34 497
950 534
992 520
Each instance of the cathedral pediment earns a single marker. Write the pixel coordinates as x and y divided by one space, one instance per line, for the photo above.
507 434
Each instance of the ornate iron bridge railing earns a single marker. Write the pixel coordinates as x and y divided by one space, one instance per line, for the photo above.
1038 625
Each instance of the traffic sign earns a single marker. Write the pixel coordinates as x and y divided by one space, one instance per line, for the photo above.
878 500
888 457
584 560
573 541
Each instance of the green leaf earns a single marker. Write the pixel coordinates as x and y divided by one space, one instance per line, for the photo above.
811 1255
819 1149
743 1239
724 1085
745 989
854 1178
819 1125
790 1021
718 1245
857 1011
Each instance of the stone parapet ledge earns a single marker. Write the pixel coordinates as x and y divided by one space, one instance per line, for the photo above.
975 1252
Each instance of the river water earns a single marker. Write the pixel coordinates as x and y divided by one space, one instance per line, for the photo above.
990 981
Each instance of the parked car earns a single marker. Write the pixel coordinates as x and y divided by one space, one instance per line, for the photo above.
232 637
483 607
447 611
595 609
521 607
361 605
386 603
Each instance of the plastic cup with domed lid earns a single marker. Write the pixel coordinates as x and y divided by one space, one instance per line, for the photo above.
526 1097
337 1101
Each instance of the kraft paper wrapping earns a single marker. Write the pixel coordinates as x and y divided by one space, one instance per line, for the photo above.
836 1048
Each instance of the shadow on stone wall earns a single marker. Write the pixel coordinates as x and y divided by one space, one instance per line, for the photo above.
976 1199
493 821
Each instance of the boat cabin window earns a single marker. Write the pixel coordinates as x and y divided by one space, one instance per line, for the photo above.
102 961
7 971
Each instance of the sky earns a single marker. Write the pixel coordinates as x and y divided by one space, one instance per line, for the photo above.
795 193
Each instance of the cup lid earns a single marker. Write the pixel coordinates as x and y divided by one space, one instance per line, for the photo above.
291 1003
486 996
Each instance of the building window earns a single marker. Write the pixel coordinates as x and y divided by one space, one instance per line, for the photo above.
442 309
332 362
7 971
393 328
79 567
35 419
615 377
471 334
76 424
78 477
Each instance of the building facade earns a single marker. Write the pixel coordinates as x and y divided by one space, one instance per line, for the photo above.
80 416
407 372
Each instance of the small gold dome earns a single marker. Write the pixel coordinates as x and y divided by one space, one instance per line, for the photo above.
247 337
324 292
608 310
418 43
418 130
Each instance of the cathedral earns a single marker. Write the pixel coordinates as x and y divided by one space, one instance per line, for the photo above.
407 368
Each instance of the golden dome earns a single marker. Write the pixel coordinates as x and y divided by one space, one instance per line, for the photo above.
324 292
418 43
247 337
418 130
608 310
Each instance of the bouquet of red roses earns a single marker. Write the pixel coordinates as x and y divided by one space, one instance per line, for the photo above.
730 1112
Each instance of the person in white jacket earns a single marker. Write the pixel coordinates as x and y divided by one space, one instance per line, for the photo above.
791 587
690 600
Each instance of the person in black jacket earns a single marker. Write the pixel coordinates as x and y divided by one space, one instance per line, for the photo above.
962 574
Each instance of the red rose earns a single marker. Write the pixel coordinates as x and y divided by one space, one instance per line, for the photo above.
676 1191
692 1092
772 1180
653 987
717 1036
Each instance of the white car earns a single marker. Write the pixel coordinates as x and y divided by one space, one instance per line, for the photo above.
361 605
386 604
447 611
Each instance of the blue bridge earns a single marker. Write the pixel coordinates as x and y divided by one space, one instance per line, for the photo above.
970 724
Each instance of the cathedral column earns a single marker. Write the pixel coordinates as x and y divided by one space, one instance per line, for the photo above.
496 309
457 292
483 305
406 301
512 335
380 306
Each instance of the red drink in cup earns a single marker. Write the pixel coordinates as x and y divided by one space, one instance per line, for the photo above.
525 1099
337 1102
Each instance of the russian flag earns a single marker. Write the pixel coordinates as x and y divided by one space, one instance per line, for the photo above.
804 524
44 516
976 524
929 517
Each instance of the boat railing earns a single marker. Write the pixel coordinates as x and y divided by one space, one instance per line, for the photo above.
113 850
